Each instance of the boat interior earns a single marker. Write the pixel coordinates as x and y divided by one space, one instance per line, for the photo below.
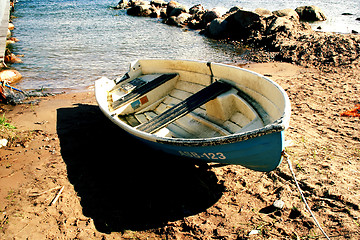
188 105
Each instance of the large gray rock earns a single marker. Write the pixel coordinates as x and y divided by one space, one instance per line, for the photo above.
310 13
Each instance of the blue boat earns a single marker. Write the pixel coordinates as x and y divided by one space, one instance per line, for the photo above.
209 111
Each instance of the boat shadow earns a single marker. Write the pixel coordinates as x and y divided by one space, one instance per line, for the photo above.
122 183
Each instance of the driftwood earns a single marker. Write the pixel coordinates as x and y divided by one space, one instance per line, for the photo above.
57 196
41 193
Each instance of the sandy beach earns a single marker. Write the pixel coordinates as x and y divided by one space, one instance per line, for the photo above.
65 143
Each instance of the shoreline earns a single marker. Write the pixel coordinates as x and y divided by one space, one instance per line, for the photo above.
61 141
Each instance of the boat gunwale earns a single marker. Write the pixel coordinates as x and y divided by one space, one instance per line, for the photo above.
277 126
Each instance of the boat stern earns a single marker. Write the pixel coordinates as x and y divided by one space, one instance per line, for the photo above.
102 87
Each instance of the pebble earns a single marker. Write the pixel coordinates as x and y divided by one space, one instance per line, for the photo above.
3 142
253 232
279 204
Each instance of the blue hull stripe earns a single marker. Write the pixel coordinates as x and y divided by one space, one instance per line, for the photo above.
261 154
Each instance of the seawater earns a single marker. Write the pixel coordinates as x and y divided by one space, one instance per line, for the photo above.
71 43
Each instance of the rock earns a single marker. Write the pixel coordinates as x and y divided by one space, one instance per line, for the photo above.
123 4
171 6
217 29
357 19
234 9
134 11
254 232
158 3
139 2
279 204
195 22
197 8
3 142
213 14
155 12
182 18
263 12
10 76
178 10
140 10
310 13
11 26
163 13
179 20
288 13
243 24
12 58
280 24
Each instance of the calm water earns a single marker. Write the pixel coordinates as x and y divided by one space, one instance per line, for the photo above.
71 43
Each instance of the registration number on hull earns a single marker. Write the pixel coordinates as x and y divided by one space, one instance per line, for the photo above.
208 155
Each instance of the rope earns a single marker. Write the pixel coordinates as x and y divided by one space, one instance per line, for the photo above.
302 195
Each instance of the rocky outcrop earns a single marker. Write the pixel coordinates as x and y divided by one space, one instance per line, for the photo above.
282 35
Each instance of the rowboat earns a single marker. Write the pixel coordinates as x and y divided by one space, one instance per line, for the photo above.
203 110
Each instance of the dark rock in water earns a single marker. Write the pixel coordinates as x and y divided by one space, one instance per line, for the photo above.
347 14
172 5
354 32
155 12
123 4
158 3
243 24
197 8
357 19
212 14
195 21
234 9
217 29
179 20
177 11
310 13
143 10
163 13
134 11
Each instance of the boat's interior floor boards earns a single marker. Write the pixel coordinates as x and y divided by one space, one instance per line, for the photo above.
181 109
185 112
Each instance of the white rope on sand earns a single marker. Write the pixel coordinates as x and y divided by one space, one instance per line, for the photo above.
302 195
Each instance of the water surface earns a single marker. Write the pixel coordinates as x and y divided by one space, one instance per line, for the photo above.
71 43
